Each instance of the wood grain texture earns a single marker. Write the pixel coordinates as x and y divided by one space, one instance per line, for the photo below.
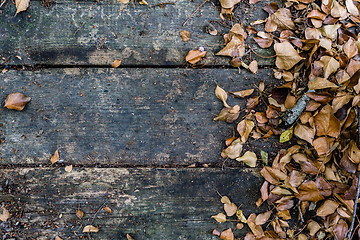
122 117
98 32
145 203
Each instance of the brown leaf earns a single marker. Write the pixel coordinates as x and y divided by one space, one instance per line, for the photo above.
90 228
21 5
340 230
326 123
253 66
79 213
338 11
235 48
68 168
313 227
185 35
282 18
230 209
323 145
320 83
16 101
330 65
350 48
327 208
55 157
227 235
228 3
286 56
330 31
219 217
264 191
272 175
234 150
308 191
128 237
58 238
255 229
244 128
262 218
304 132
228 115
116 63
195 56
4 213
222 95
243 93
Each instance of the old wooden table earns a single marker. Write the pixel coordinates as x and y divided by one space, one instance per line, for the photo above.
130 133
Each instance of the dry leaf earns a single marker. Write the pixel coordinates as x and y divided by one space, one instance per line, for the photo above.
313 228
235 48
240 216
273 175
68 168
253 66
219 217
327 208
262 218
116 63
243 93
286 56
340 230
352 9
58 238
55 157
330 65
124 1
326 123
286 135
256 229
230 209
330 31
4 213
320 83
228 3
234 150
323 145
249 158
195 56
108 209
128 237
304 132
227 235
185 35
338 11
16 101
350 48
90 228
228 115
282 18
244 128
222 95
79 213
21 5
308 191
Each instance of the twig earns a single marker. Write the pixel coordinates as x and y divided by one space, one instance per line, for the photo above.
79 28
261 55
2 3
162 4
357 193
194 12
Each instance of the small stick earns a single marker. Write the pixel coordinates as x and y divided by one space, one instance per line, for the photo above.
195 12
79 28
357 192
162 4
2 3
261 55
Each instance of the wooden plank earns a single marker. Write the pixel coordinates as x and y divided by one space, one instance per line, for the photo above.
121 117
145 203
98 32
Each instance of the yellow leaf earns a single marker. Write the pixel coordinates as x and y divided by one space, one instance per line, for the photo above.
240 216
286 135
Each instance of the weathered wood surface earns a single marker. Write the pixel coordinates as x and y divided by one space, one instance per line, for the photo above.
98 32
146 203
122 117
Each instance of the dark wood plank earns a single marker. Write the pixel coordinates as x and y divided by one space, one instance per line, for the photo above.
121 117
145 203
98 32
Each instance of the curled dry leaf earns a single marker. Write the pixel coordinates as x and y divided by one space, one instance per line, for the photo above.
220 217
225 200
108 209
116 63
16 101
243 93
234 150
235 48
244 128
195 56
185 35
21 5
240 215
90 228
249 158
4 213
55 157
286 56
282 18
304 132
228 115
222 95
227 235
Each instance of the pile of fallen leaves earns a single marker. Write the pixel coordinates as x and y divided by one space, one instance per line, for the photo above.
311 186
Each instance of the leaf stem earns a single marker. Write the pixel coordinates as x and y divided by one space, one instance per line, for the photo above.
197 9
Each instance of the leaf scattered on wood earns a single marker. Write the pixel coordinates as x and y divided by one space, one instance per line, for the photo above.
16 101
55 157
21 5
90 229
4 214
68 168
128 237
79 213
185 35
116 63
195 56
108 209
